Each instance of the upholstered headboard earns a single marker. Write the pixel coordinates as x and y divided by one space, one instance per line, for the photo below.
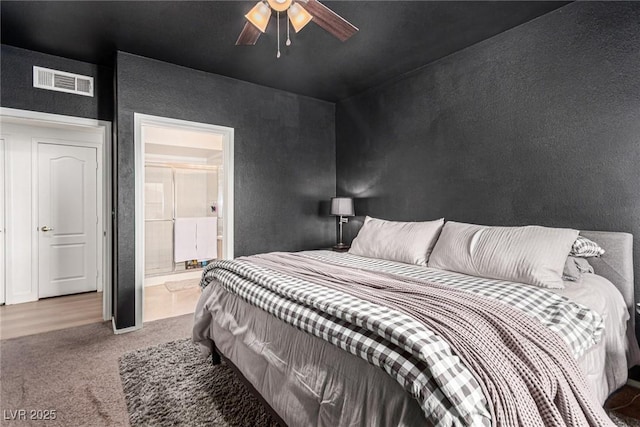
617 262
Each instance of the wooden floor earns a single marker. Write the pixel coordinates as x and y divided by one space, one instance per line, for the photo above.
51 314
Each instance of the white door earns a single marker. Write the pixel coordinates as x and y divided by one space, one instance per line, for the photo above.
67 219
2 231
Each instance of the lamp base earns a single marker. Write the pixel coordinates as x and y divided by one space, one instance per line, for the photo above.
341 247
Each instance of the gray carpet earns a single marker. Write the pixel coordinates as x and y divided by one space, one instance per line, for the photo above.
172 384
622 421
75 371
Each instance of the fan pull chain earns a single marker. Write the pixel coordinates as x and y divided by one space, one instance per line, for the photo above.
278 54
288 43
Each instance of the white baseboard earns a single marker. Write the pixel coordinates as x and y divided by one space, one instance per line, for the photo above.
123 330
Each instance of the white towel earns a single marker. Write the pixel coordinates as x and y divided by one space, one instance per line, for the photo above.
185 232
195 238
207 238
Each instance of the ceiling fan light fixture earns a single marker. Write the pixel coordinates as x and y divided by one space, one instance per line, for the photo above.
280 5
259 16
298 16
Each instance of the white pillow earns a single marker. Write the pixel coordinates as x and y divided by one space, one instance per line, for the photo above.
534 255
408 242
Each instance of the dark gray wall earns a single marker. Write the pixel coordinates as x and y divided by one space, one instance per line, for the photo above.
17 91
537 125
284 158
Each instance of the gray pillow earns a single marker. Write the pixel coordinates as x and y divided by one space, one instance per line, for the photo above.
574 268
408 242
534 255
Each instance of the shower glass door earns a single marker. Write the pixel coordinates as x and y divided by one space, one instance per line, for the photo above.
173 191
159 205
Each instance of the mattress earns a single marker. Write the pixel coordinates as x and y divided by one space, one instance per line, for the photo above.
311 382
606 364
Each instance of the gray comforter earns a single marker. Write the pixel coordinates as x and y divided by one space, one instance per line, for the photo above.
523 361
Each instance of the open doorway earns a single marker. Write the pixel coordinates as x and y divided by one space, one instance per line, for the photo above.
186 182
56 200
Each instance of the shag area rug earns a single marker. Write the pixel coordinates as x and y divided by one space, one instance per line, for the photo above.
622 421
179 285
171 384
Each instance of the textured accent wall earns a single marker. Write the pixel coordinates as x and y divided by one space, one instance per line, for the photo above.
18 91
537 125
284 158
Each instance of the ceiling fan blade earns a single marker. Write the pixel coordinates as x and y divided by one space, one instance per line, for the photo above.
249 35
329 20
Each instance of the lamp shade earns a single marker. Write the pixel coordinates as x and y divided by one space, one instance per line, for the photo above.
259 16
298 16
342 206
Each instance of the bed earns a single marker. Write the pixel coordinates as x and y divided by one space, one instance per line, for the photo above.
307 380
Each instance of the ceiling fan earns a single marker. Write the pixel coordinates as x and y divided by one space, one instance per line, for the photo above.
299 14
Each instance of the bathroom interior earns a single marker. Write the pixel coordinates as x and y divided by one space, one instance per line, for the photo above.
184 225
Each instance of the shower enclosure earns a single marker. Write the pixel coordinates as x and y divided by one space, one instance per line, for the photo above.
181 194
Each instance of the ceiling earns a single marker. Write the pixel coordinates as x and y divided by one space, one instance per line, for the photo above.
182 138
395 37
183 154
183 143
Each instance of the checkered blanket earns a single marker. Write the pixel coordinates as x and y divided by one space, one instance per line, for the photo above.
578 326
419 359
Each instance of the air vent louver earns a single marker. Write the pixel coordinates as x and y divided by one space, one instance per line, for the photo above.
61 81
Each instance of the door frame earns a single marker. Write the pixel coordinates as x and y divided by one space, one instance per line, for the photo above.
3 232
35 221
105 185
227 133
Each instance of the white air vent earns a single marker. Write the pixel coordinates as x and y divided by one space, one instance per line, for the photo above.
45 78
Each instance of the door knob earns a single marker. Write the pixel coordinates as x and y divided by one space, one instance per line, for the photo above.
45 228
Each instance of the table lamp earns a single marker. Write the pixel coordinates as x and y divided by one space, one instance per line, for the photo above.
342 207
